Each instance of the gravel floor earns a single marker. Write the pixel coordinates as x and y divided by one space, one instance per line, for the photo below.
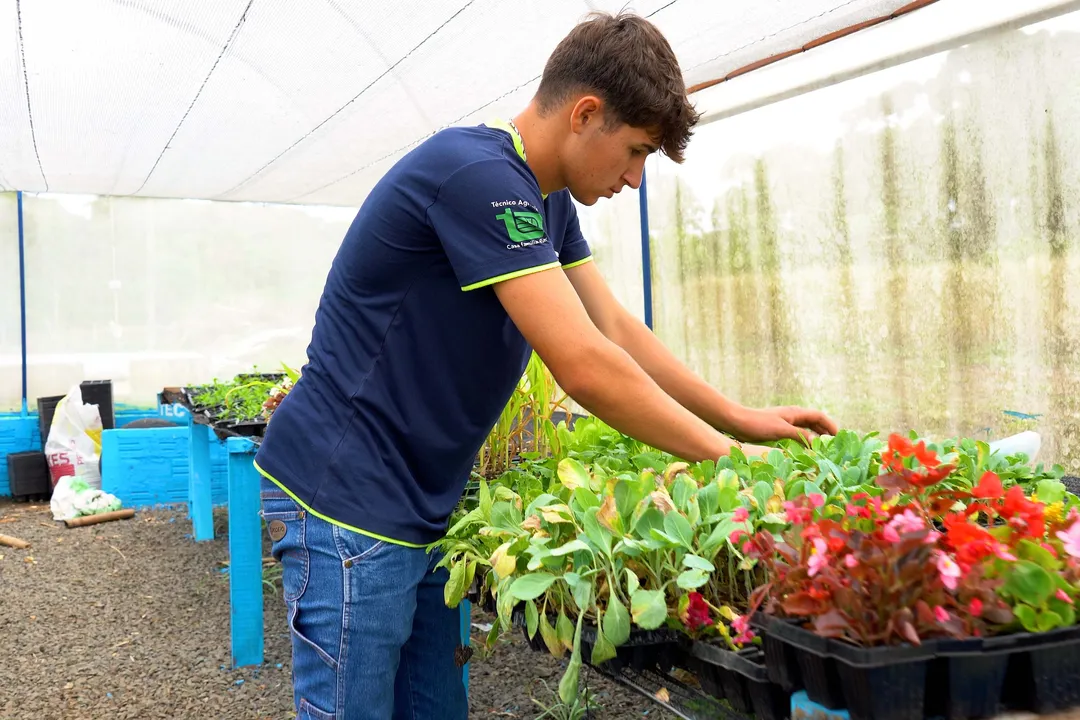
130 619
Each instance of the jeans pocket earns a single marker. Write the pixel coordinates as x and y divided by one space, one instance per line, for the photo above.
354 547
307 711
286 523
294 627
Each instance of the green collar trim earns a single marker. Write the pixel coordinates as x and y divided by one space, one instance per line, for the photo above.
515 136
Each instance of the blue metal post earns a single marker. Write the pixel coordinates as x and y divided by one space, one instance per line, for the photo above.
646 261
245 554
22 298
199 493
466 625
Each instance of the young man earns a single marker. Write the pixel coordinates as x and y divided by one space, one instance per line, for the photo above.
465 256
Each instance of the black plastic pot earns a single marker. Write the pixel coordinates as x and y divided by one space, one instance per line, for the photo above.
818 670
741 678
644 650
780 658
28 476
965 680
1043 675
884 683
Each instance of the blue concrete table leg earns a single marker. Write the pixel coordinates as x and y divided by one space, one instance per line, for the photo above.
199 496
245 555
466 625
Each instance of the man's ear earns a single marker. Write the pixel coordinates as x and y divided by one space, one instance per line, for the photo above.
587 113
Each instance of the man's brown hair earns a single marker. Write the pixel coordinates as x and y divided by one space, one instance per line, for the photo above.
629 64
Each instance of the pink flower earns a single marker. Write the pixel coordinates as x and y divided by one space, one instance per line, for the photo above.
746 547
742 626
818 557
975 607
949 570
889 533
907 522
1002 551
1063 596
1071 539
735 535
740 515
797 515
816 499
850 560
932 537
941 614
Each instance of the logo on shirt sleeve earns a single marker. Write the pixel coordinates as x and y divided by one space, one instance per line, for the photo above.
522 226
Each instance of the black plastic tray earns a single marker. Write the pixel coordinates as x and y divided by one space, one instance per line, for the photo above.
741 678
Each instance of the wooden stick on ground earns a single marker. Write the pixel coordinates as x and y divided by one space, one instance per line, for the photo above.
13 542
100 518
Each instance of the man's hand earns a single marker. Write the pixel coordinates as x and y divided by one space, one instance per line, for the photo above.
786 422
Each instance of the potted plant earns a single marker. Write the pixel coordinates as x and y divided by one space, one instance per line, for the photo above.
872 592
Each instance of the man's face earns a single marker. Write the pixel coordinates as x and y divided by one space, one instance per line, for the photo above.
600 161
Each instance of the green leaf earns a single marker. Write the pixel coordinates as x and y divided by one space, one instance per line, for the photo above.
532 618
631 582
597 535
650 518
572 546
568 686
762 492
693 512
1037 554
1029 582
648 608
1066 611
485 500
504 602
582 593
718 537
691 579
603 649
678 527
454 590
565 630
682 490
572 474
729 499
1048 620
1050 491
530 587
727 479
551 638
663 537
616 624
698 563
585 499
708 498
506 517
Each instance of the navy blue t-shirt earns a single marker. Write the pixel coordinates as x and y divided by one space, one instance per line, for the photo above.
412 357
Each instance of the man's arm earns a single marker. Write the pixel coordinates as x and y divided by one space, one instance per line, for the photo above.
599 374
678 381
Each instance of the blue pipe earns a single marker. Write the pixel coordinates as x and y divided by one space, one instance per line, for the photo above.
646 262
22 298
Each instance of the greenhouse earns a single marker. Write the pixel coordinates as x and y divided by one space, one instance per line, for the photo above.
861 283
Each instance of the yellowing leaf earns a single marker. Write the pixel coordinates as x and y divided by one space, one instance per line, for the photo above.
608 516
503 563
674 469
572 474
662 501
558 513
532 523
663 695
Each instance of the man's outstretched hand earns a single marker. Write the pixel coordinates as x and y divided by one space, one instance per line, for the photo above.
785 422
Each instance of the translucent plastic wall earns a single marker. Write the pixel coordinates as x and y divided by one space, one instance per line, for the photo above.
153 293
900 249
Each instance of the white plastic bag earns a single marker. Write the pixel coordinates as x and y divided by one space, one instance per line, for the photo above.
74 443
72 497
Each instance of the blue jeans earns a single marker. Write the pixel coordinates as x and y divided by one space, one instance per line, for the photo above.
371 635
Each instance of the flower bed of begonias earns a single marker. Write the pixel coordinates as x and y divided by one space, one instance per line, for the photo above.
616 553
